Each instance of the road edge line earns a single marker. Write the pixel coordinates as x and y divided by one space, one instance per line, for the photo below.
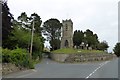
96 69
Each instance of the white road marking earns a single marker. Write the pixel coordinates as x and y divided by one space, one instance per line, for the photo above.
97 69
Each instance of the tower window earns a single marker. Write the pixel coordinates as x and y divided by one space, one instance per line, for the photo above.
66 27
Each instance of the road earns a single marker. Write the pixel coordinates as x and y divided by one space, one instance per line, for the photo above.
50 69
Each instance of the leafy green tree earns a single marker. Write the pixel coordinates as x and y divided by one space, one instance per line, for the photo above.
52 29
56 43
27 22
78 37
23 20
95 41
21 33
75 38
6 24
103 46
38 45
87 37
22 38
37 23
91 39
117 49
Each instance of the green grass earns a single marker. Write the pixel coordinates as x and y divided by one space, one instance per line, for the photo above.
71 51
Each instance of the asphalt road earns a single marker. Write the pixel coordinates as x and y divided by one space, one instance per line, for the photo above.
50 69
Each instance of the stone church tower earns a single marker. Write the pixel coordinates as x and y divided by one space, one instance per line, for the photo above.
67 34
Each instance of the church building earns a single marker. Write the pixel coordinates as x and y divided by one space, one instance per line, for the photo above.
67 34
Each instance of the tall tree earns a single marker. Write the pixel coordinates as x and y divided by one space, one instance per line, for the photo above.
87 37
52 29
24 20
75 38
78 37
6 24
117 49
103 46
21 33
27 22
90 38
37 20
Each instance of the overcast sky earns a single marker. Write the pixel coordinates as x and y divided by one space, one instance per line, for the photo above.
100 16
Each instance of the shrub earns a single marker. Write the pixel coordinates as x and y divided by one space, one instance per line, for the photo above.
6 55
36 55
18 56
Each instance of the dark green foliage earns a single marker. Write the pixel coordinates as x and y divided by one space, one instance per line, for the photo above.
36 55
102 46
23 18
90 38
52 29
27 22
6 55
37 20
6 25
22 38
117 49
17 56
21 33
87 37
78 37
55 43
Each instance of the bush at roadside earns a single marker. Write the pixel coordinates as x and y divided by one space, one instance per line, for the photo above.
19 57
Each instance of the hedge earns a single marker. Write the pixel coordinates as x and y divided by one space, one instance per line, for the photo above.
18 56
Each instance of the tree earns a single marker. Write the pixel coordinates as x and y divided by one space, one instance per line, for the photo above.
21 33
57 43
23 19
37 20
52 29
6 25
88 38
21 39
103 46
27 22
91 39
75 38
117 50
78 38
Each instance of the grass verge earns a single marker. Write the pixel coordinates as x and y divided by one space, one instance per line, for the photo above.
71 51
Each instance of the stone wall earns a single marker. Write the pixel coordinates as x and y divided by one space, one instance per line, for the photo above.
72 58
59 57
10 68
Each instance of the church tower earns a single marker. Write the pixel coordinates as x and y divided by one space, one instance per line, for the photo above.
67 34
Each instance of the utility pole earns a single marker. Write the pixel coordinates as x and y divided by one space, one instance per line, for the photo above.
32 40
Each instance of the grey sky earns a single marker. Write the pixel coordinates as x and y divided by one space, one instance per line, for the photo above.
100 16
